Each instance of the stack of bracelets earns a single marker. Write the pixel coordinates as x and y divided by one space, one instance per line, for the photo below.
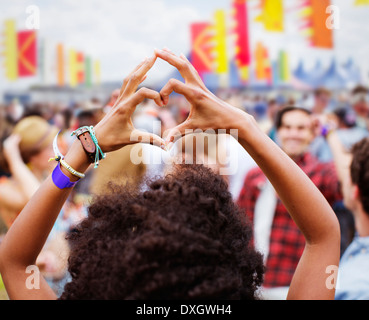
90 145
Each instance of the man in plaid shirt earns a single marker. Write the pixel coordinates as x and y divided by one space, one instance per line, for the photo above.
286 242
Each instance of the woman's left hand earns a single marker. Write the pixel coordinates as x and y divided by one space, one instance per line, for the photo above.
116 129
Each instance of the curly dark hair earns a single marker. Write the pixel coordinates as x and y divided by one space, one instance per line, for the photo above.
360 170
181 238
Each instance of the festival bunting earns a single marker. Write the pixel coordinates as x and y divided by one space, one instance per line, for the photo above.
242 41
271 15
20 52
25 55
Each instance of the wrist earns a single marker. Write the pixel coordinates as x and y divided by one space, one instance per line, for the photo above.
326 130
246 126
77 158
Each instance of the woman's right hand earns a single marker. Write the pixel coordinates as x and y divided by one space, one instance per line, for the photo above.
207 111
116 129
11 149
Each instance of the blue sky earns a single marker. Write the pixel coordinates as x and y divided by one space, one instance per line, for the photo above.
122 32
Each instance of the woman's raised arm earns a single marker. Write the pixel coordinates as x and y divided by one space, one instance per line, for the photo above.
304 202
26 237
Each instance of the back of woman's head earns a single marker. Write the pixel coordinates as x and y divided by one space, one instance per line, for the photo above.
182 238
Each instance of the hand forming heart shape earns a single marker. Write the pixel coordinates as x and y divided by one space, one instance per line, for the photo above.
207 111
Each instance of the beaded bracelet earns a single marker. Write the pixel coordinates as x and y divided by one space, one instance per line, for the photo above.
71 170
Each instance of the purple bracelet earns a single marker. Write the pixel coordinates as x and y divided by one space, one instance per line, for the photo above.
60 179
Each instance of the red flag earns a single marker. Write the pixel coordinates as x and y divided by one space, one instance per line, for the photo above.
27 53
80 67
243 54
201 57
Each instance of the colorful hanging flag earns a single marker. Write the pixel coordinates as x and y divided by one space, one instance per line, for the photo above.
314 17
27 53
80 67
88 71
72 62
97 72
201 53
242 41
263 67
76 68
362 3
10 50
283 66
60 64
220 38
271 15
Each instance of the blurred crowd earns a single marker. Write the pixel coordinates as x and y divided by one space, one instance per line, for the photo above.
27 133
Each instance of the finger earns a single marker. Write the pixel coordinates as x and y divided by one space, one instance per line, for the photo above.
169 51
145 93
194 72
183 66
147 137
136 77
172 135
125 81
176 86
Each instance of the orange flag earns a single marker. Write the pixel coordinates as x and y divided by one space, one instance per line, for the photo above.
60 65
27 53
322 36
315 16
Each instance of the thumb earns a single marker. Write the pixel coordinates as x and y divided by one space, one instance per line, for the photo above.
173 134
147 137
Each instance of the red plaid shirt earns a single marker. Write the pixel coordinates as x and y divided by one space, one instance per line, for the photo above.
286 240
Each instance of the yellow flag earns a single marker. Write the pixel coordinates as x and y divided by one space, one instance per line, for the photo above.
72 59
362 3
272 15
220 38
11 50
97 71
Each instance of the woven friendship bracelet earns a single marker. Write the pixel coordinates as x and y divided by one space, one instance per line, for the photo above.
89 143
